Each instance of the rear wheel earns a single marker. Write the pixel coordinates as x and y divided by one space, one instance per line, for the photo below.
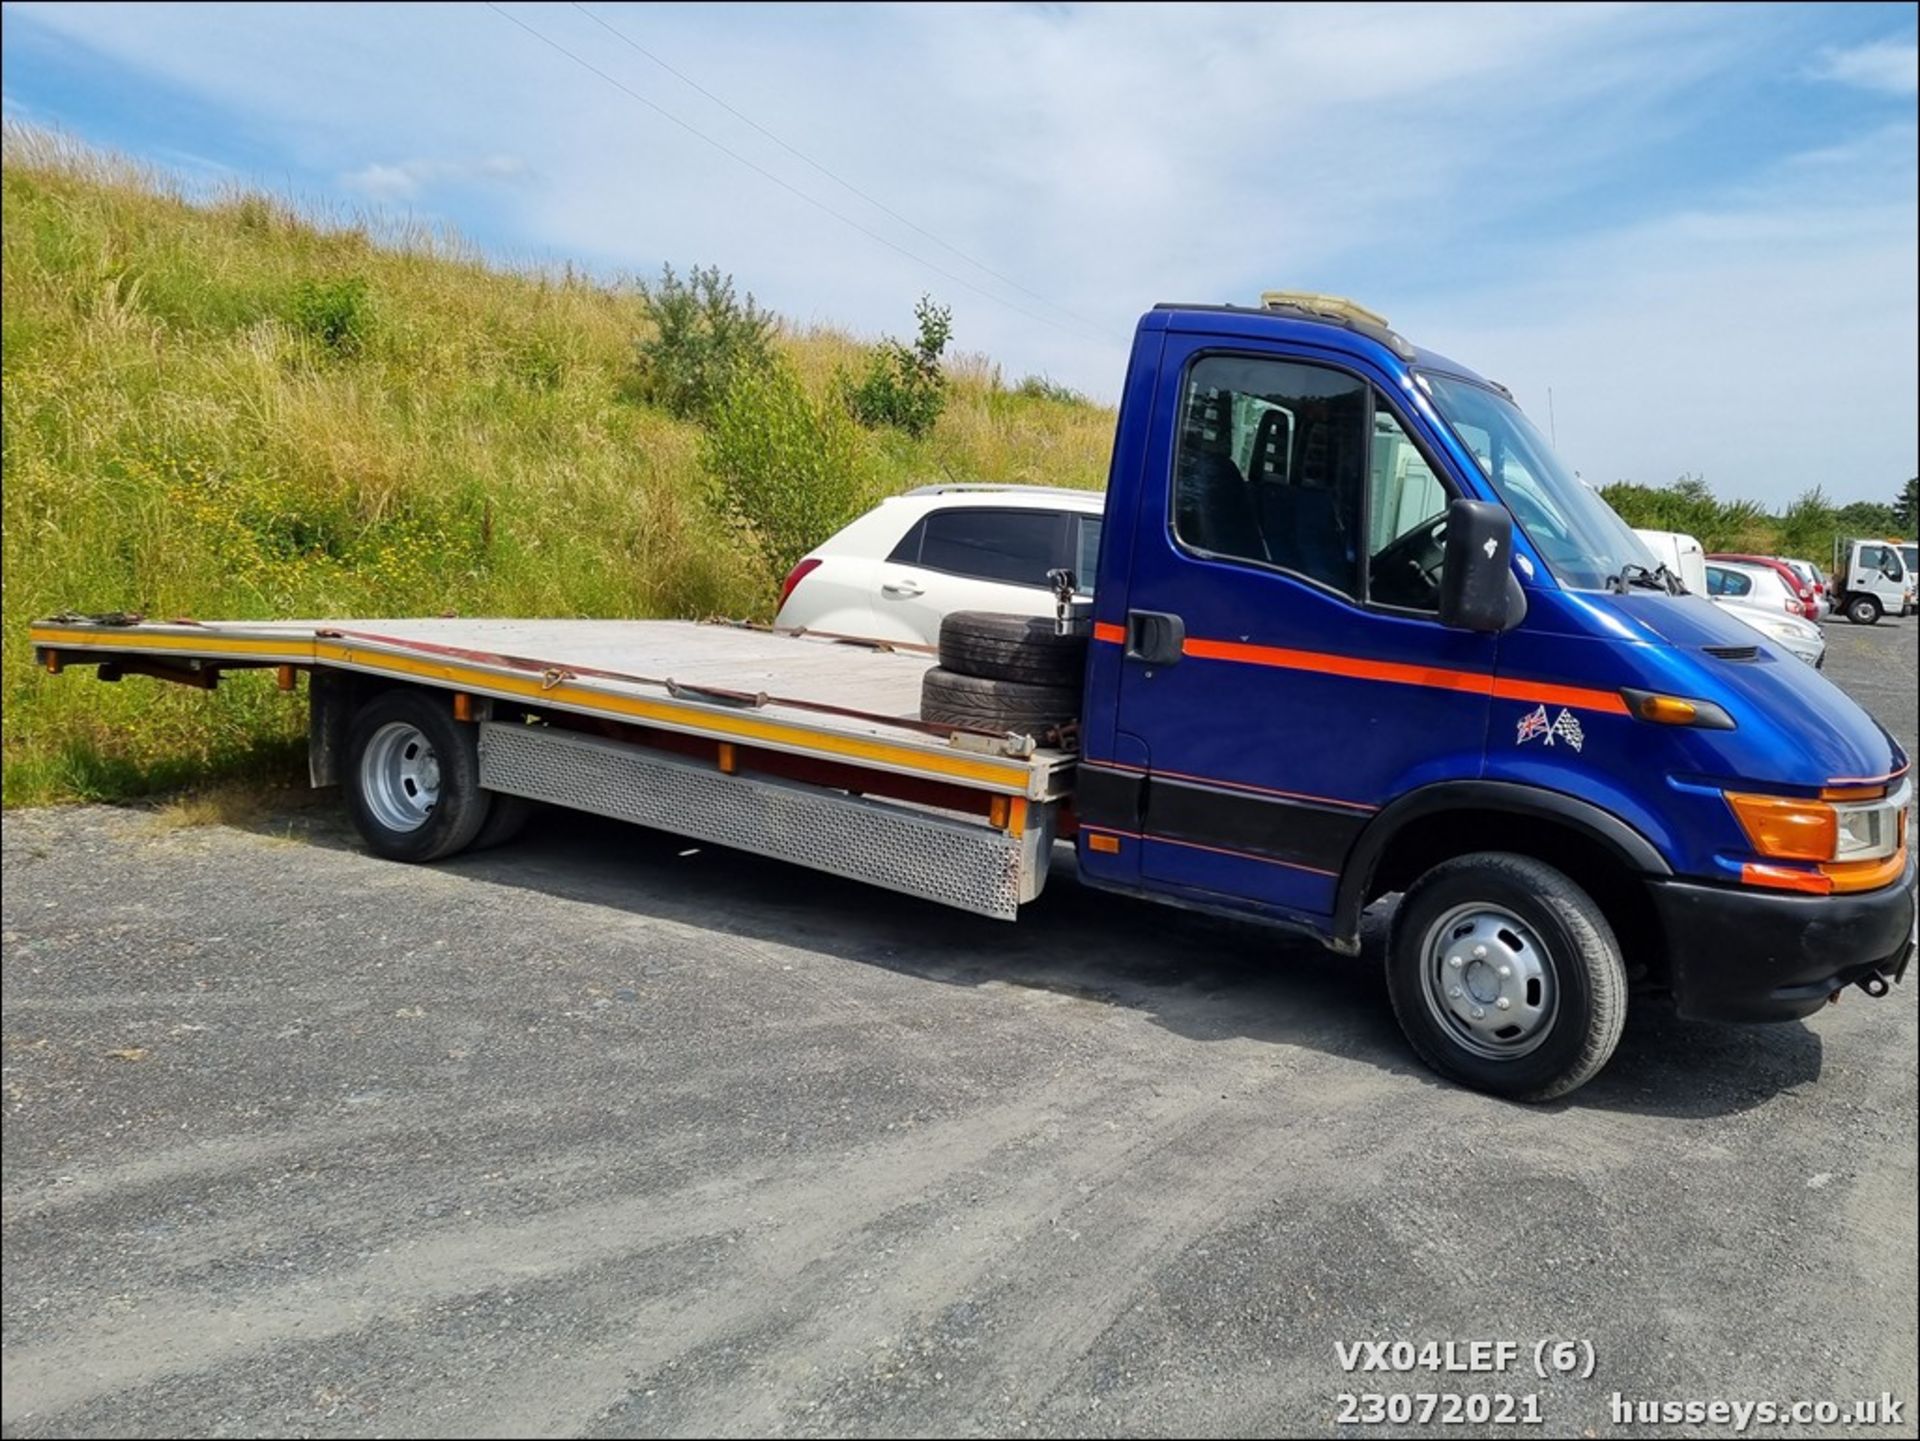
507 816
413 778
1863 610
1505 975
979 703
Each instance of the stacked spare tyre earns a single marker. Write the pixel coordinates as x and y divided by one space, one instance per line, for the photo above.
1004 674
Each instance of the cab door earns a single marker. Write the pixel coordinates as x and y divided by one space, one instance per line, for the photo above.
1876 571
1283 671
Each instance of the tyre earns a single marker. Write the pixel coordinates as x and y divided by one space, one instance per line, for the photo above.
1863 610
1011 647
413 777
507 816
982 703
1505 975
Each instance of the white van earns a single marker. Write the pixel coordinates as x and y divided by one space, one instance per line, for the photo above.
1681 554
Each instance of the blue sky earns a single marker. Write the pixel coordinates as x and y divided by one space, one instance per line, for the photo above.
1697 226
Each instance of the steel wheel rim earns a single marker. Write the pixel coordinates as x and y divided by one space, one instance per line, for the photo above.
400 776
1474 958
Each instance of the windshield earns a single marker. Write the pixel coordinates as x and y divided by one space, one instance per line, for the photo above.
1578 534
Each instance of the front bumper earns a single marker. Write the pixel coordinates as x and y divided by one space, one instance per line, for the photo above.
1749 955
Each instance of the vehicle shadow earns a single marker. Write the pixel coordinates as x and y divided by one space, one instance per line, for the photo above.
1201 977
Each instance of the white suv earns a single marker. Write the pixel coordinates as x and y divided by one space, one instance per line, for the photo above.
914 558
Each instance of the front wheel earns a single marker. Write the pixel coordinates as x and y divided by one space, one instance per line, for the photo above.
1863 610
1505 975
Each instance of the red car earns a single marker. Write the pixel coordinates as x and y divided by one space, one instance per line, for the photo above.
1809 602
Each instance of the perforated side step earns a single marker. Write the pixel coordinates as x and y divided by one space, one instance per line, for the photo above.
938 857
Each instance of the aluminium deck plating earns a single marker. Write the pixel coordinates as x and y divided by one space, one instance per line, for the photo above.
620 669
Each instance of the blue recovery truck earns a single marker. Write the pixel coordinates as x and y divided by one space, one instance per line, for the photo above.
1355 631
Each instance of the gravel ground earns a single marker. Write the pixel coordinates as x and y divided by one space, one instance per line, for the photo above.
605 1134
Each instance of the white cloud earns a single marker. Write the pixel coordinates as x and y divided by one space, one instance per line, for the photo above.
1891 67
1504 181
405 179
386 182
1696 344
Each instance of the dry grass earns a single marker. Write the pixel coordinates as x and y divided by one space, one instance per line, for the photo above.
231 802
181 438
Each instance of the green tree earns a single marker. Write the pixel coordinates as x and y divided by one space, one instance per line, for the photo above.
786 469
1688 505
904 386
704 335
1808 525
1869 517
1907 507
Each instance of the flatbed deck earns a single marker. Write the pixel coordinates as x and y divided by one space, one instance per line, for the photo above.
825 698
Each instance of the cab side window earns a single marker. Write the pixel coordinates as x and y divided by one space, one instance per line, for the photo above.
1270 466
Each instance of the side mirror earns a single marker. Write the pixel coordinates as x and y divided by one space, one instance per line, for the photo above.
1478 590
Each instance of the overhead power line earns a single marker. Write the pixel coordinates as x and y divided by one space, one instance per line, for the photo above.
785 185
841 181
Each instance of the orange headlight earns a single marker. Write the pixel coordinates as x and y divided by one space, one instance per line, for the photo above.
1788 829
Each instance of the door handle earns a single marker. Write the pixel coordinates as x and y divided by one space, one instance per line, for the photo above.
1154 637
905 589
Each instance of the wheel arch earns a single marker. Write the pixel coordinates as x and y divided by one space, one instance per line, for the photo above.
334 698
1602 853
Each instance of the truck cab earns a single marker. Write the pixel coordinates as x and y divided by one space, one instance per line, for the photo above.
1390 643
1872 578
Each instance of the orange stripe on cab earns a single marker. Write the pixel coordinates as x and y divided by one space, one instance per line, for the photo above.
1434 677
1346 665
1548 693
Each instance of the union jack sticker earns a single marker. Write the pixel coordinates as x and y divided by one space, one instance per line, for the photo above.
1536 724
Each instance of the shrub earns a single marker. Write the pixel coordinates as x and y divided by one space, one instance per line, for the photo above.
786 469
904 386
333 312
704 336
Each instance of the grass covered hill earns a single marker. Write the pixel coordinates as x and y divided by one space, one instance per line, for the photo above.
233 409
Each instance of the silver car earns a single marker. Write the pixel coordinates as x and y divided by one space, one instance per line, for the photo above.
1757 596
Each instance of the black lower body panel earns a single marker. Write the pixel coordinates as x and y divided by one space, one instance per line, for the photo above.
1745 955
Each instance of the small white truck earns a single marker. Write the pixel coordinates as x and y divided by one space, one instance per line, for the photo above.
1869 580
